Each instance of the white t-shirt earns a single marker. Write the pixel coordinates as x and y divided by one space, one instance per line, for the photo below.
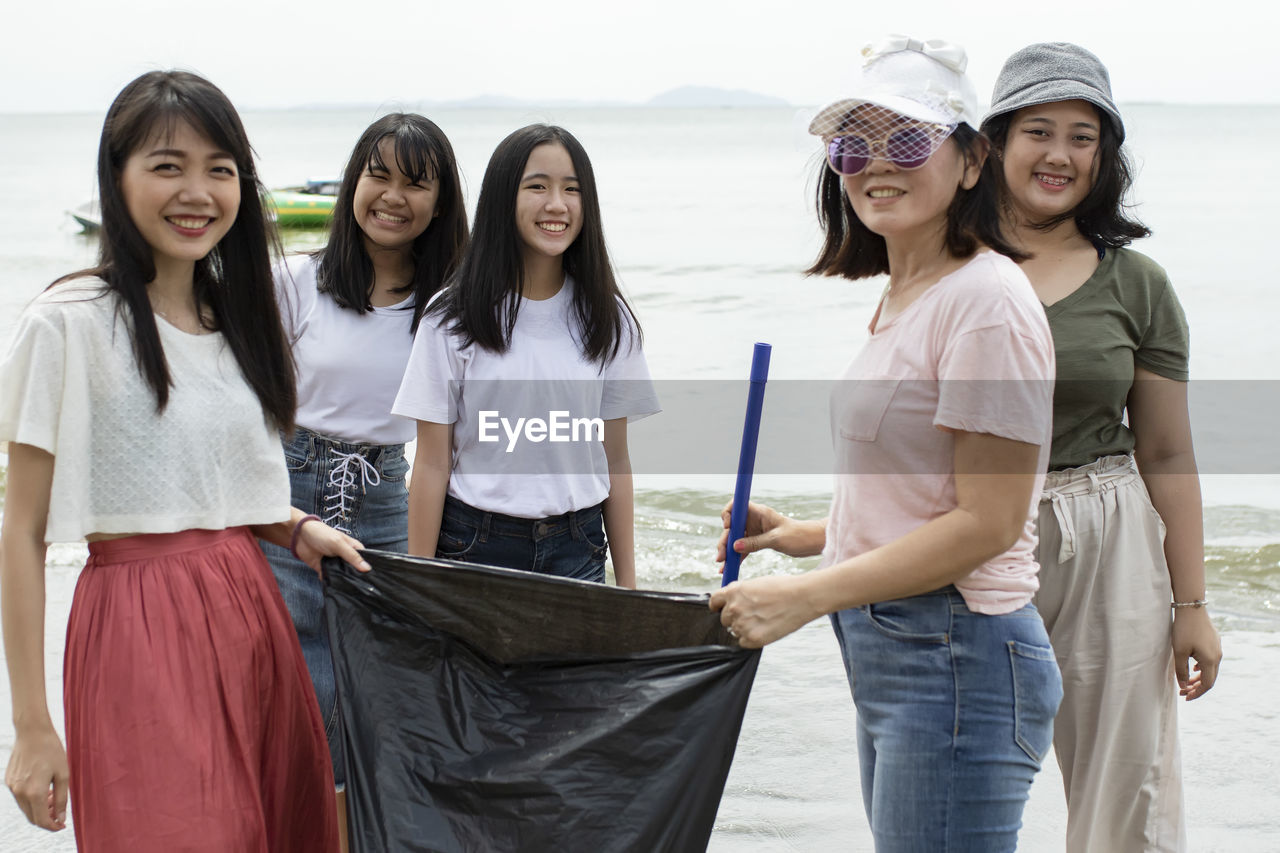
520 468
70 385
972 354
349 364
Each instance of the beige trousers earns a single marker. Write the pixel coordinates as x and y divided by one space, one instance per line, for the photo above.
1104 595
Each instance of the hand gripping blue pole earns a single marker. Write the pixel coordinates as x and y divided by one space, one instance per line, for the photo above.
746 459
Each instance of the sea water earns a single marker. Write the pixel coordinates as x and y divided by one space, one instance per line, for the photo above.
709 217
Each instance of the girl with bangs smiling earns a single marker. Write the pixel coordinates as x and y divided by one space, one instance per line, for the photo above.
350 311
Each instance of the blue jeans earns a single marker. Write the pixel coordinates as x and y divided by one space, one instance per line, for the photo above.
358 488
568 546
955 714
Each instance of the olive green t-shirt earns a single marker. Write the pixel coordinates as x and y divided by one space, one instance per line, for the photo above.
1125 316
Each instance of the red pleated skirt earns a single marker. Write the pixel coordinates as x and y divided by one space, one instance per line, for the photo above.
191 721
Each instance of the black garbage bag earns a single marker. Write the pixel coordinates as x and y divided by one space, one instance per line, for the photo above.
485 709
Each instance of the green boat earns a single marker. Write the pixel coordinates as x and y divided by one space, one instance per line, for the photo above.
307 206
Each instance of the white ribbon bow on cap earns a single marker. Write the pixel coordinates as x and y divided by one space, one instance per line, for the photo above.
948 54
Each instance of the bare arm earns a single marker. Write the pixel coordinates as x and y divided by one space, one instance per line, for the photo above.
994 480
1166 459
768 528
37 773
619 507
432 462
314 541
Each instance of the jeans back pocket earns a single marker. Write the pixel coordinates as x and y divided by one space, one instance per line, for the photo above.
1037 691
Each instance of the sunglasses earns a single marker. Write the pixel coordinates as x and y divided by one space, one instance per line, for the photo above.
907 147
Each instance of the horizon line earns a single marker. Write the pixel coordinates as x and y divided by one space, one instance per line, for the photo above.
695 97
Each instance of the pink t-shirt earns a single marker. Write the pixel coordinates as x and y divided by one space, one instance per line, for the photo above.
972 353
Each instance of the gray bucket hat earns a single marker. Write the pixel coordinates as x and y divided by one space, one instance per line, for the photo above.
1053 71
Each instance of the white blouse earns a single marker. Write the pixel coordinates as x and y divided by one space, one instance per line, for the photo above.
70 385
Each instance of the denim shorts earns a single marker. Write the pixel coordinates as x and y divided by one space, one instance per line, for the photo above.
569 546
954 715
358 488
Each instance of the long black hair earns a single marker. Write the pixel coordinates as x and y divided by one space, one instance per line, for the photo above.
852 250
233 280
422 151
482 301
1102 215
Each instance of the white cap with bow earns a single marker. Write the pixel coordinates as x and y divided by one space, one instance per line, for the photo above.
923 80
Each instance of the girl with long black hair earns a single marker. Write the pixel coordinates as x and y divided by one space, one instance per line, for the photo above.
350 310
534 330
141 402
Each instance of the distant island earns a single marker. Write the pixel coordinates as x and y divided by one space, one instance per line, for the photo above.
708 96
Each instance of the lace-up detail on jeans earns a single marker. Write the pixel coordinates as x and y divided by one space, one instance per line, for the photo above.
350 468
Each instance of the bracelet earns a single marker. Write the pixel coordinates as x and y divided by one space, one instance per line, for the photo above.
1198 603
297 528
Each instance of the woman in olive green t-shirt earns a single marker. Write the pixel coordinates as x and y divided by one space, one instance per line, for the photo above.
1121 462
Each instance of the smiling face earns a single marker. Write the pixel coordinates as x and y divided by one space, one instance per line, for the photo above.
391 209
906 205
182 194
548 202
1050 156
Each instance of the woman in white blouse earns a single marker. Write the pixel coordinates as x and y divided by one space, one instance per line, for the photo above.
140 402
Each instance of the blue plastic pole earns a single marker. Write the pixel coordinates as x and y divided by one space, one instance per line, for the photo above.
746 459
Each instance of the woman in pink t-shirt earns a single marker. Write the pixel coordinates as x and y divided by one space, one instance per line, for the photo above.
941 427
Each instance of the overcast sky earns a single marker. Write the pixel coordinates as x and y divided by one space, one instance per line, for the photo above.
74 55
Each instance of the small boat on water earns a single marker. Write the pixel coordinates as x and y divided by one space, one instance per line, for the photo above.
307 206
88 215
